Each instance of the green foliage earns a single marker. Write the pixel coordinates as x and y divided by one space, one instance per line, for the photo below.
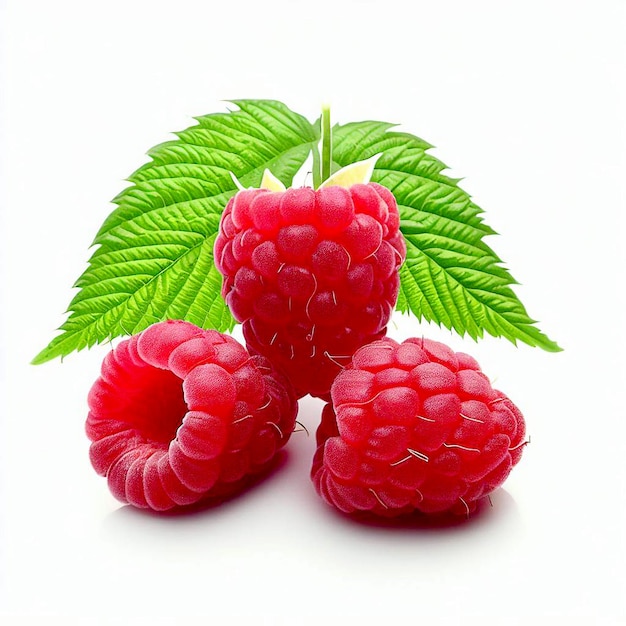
154 256
154 253
451 276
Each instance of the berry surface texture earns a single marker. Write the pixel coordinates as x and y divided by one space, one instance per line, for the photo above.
180 414
311 274
414 426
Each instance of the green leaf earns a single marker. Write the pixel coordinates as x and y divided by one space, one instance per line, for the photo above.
154 256
451 276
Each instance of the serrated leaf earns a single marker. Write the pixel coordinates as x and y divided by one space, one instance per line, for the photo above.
154 256
451 276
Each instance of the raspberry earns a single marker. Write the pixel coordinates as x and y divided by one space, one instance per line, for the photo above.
312 275
414 427
180 413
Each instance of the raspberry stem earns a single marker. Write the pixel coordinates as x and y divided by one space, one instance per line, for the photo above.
326 143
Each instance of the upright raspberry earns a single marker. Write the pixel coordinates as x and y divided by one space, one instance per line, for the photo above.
414 427
312 275
180 414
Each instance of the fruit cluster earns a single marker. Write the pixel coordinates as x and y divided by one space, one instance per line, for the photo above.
312 275
180 414
414 426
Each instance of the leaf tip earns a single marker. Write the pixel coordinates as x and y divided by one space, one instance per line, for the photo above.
43 357
552 346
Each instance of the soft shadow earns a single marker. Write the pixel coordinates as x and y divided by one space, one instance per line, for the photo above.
208 507
490 510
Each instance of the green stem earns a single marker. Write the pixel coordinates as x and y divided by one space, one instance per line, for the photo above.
317 165
326 143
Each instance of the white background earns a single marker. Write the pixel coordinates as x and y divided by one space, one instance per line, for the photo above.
525 100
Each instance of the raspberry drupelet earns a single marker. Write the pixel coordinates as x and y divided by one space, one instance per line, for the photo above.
414 427
312 275
180 414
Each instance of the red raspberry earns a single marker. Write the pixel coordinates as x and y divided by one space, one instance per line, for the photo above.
180 413
312 275
418 427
